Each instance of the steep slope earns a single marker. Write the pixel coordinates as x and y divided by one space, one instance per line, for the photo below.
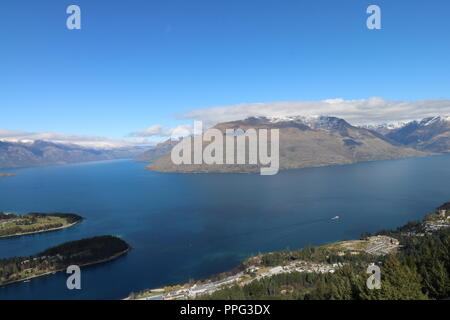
430 134
40 153
306 142
159 150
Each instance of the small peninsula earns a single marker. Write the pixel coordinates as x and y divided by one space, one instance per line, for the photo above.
13 225
81 253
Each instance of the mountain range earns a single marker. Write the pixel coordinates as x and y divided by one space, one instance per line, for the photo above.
308 142
41 153
304 142
159 150
430 134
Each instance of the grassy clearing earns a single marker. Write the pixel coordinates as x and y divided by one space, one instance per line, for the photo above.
16 225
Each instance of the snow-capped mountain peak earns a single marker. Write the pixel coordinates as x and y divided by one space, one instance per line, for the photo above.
385 126
432 120
314 121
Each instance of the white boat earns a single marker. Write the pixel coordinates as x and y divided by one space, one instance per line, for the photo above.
336 218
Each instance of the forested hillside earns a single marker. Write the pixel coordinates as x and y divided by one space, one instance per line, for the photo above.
419 271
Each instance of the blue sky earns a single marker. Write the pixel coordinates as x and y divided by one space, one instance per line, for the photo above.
137 63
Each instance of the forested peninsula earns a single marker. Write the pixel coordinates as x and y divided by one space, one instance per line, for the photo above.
81 253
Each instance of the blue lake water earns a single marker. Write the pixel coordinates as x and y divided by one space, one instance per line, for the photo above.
189 226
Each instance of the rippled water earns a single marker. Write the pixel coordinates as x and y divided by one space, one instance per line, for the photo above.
191 226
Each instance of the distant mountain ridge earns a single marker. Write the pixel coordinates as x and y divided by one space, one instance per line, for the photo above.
430 134
41 153
159 150
384 128
306 142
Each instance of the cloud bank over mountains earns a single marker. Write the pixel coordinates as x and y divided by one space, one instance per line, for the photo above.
81 140
371 111
159 131
358 112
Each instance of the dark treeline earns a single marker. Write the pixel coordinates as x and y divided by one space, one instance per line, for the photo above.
87 249
70 217
80 252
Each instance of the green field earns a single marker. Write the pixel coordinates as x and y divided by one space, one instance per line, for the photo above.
16 225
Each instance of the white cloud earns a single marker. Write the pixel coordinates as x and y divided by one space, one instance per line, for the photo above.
159 131
156 130
5 133
358 112
81 140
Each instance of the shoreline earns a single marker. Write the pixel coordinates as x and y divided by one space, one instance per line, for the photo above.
41 231
117 255
285 170
49 165
152 292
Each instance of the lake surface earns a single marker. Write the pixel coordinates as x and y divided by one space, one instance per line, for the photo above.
190 226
